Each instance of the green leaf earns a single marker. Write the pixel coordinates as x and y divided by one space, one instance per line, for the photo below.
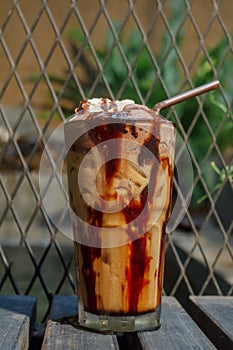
76 35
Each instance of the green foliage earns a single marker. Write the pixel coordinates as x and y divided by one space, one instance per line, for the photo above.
214 107
125 60
223 176
214 124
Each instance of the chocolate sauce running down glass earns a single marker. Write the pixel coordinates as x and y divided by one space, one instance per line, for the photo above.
120 201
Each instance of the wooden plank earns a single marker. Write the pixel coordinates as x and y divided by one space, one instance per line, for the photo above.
177 331
14 330
20 304
63 334
214 315
59 336
63 306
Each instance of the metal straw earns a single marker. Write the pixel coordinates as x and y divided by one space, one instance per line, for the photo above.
185 95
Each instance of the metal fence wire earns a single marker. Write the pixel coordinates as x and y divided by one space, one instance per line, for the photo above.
54 54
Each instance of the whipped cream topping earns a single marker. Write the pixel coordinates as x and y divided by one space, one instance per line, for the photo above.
103 104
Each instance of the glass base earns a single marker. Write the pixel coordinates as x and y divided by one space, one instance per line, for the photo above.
105 323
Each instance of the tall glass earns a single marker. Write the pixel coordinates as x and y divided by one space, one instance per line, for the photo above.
120 166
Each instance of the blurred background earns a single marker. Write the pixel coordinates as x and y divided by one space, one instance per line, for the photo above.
54 54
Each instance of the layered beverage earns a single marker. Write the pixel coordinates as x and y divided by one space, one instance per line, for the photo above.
120 166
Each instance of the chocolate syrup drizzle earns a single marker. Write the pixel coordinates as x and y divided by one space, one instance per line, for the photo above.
139 259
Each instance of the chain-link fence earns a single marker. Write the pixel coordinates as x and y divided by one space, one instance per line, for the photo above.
54 54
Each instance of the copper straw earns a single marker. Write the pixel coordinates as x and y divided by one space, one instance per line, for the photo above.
185 95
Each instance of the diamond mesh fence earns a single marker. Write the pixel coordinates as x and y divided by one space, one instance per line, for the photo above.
54 54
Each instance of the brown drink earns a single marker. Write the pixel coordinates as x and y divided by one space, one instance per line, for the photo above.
120 201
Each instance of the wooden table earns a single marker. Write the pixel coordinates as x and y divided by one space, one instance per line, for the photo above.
210 326
214 315
177 331
17 318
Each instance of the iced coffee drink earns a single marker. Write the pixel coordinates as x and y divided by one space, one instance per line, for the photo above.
120 169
